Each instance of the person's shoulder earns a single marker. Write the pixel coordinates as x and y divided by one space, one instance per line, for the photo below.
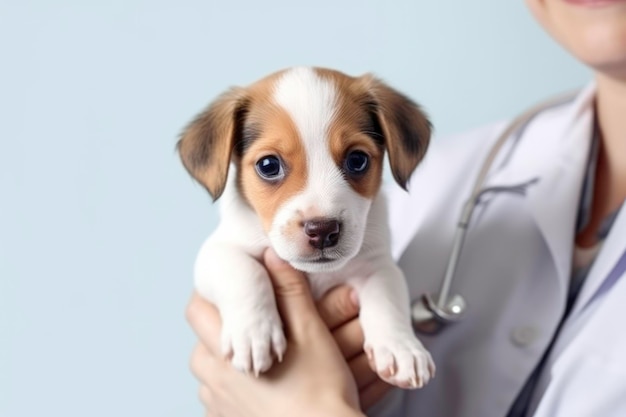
458 152
449 166
471 140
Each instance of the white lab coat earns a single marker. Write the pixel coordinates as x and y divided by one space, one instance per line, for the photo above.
514 274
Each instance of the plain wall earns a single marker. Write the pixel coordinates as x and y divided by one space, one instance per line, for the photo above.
99 223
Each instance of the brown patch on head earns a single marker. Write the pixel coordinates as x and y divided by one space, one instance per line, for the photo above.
385 115
241 123
370 117
353 129
277 136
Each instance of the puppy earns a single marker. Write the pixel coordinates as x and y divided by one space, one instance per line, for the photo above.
297 160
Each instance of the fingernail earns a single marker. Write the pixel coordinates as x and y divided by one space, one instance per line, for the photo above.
354 297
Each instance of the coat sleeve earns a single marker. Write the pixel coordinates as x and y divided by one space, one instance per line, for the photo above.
390 405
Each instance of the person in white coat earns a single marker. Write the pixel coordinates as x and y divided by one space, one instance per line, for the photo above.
542 269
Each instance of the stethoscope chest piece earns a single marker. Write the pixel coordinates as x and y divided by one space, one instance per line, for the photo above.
430 318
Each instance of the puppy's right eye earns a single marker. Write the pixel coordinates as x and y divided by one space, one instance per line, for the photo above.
270 168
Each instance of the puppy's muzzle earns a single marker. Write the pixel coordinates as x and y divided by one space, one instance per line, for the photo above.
322 233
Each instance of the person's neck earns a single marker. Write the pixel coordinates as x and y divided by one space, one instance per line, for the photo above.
610 179
611 117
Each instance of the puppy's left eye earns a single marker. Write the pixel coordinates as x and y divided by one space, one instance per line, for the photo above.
356 163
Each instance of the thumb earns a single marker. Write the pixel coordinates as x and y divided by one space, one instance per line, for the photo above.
293 295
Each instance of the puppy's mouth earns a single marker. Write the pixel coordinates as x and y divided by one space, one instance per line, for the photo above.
324 256
319 263
322 260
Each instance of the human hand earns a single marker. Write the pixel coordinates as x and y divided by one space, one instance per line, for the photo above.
313 378
339 310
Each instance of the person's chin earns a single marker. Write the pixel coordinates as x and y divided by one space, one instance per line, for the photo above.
601 45
603 56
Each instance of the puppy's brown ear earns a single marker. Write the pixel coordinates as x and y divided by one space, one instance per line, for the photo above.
207 143
404 126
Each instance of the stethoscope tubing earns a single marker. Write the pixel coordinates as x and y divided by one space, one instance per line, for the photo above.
438 310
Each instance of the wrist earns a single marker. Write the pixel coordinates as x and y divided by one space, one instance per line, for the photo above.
345 410
337 408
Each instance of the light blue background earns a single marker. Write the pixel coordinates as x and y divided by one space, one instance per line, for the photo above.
99 223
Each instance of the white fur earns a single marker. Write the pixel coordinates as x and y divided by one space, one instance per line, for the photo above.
228 272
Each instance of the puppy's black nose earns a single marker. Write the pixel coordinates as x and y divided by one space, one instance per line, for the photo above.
322 233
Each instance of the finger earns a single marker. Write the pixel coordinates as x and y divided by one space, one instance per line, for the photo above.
373 393
350 339
293 296
208 369
205 397
200 363
362 372
339 306
204 319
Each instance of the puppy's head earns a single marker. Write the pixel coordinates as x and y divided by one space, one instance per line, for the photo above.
308 146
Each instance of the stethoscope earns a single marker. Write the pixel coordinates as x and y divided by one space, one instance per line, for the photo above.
431 313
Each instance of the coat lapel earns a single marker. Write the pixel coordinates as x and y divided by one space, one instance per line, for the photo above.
551 157
610 253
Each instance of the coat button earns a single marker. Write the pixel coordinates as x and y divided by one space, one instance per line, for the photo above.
523 336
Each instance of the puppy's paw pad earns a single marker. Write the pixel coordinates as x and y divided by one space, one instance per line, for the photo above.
401 361
252 345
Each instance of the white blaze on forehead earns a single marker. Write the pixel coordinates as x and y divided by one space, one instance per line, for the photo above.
309 99
311 102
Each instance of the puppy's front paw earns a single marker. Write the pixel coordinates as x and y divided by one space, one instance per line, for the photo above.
252 341
400 360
